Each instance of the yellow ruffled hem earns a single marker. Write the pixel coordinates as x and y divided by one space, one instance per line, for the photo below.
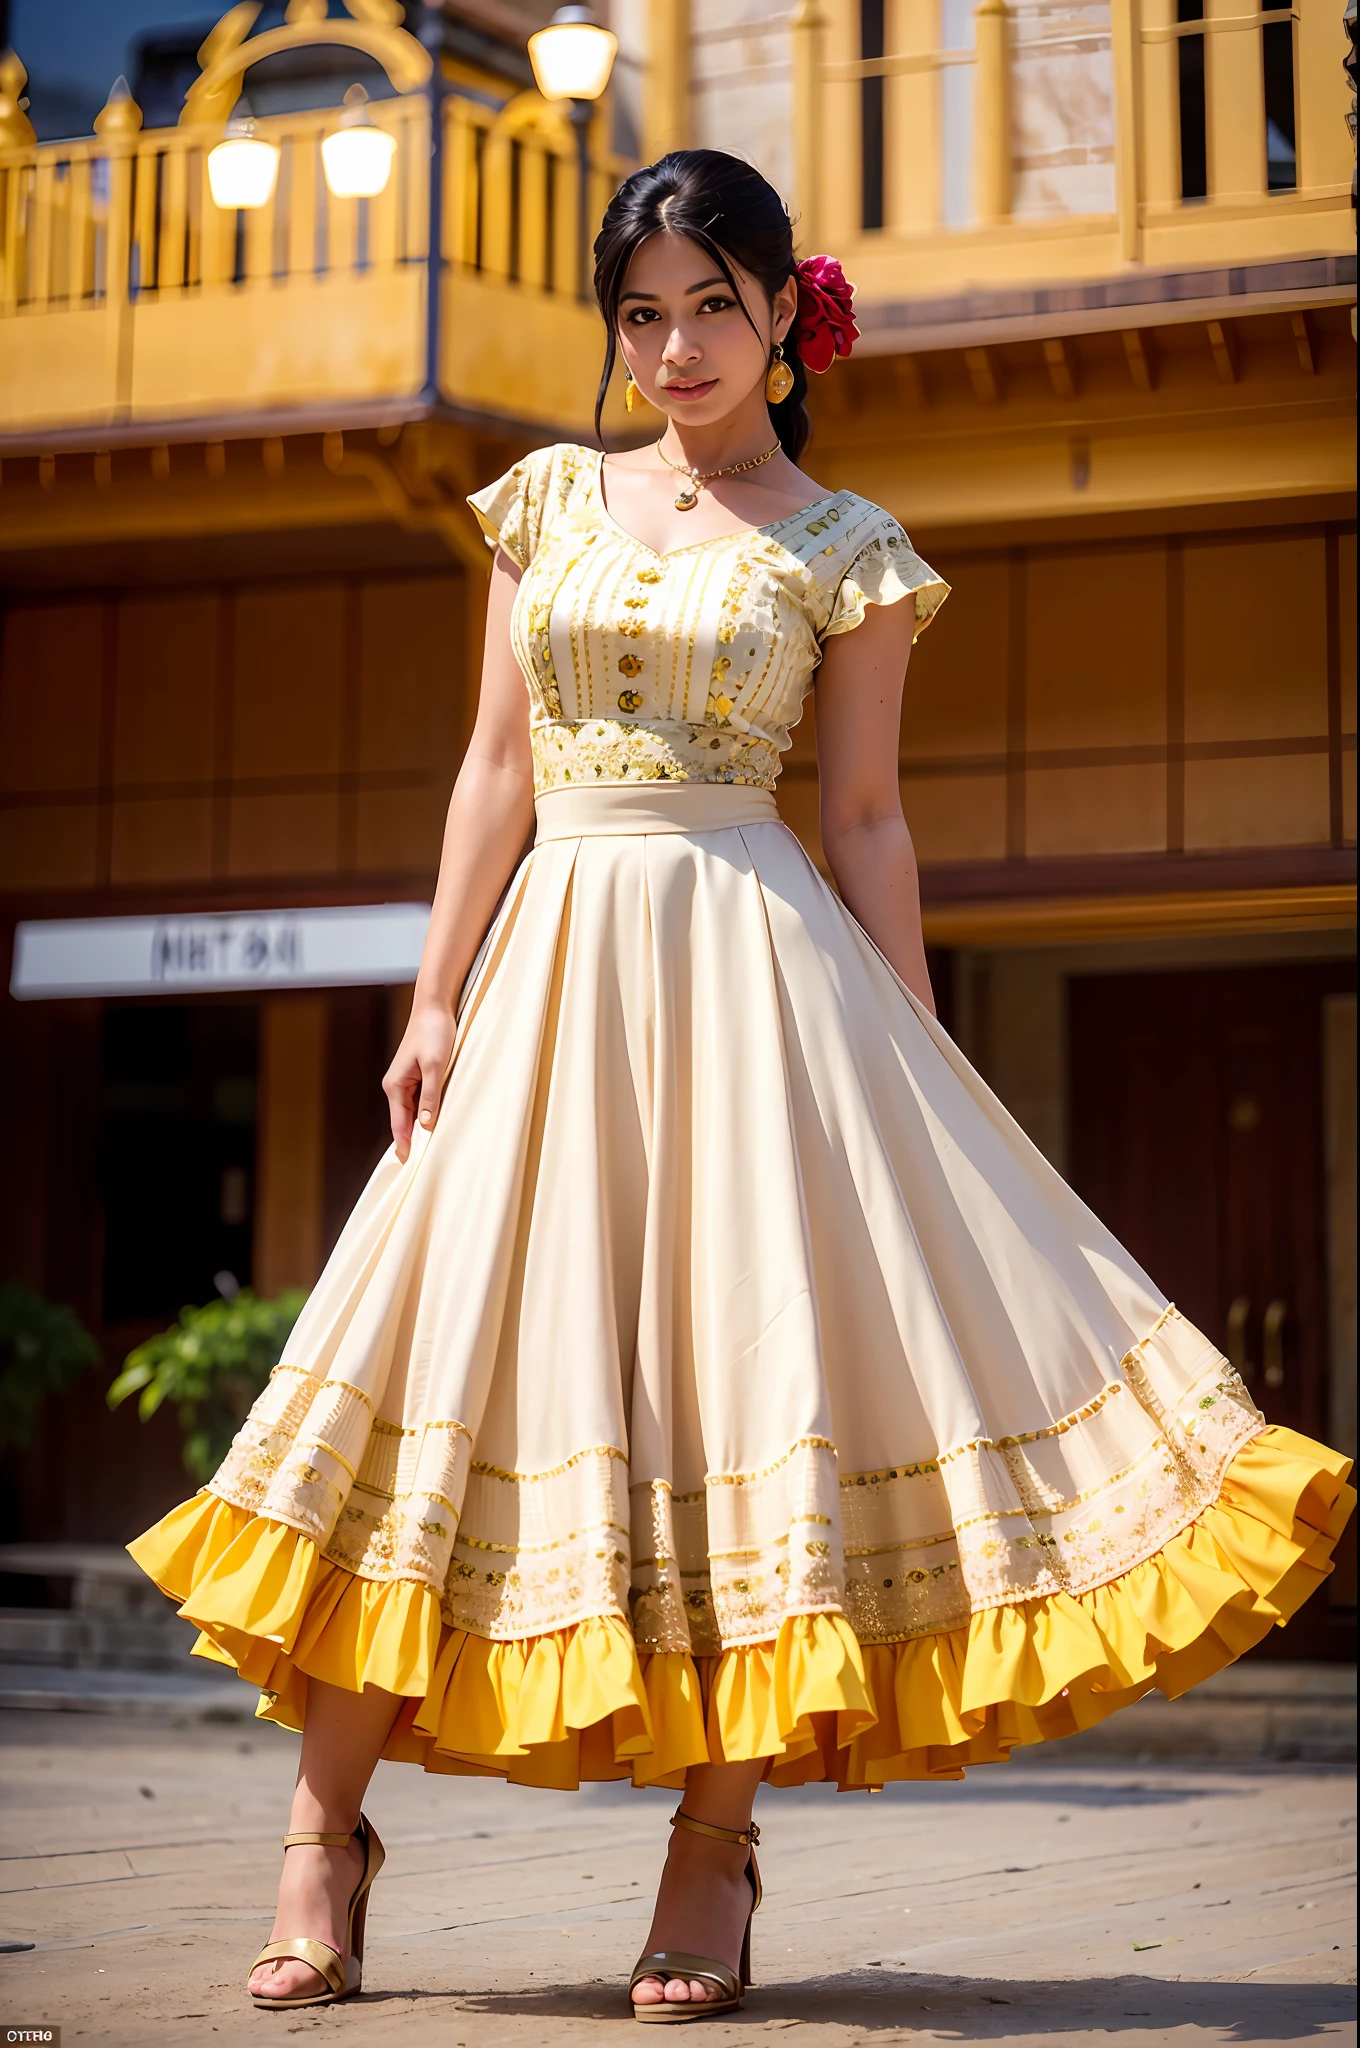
581 1703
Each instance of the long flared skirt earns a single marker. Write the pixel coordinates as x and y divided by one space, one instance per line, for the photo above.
727 1375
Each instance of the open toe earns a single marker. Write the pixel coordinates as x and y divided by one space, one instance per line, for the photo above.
695 1987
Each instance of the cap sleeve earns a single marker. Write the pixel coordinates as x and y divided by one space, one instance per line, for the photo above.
510 511
884 570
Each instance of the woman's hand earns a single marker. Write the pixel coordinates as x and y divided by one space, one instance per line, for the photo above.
414 1081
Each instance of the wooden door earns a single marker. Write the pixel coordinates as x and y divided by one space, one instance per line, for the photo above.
1197 1134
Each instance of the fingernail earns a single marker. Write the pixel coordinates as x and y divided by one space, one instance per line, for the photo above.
424 1116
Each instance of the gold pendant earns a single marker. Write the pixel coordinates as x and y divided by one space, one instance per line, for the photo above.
687 500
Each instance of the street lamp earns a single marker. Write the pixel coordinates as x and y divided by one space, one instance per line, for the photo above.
573 56
243 168
356 156
572 59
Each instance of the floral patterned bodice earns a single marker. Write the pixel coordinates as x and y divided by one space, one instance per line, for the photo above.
689 666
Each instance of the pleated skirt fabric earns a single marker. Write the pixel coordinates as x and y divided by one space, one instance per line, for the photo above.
727 1373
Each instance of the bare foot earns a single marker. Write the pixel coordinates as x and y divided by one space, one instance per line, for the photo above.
703 1905
314 1894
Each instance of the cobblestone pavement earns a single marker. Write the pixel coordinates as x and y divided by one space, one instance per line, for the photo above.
1056 1900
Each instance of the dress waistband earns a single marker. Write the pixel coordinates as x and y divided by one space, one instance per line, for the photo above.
622 808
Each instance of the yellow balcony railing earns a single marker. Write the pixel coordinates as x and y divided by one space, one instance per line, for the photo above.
129 300
1199 144
517 335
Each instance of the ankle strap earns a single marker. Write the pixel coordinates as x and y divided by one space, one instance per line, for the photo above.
749 1837
326 1841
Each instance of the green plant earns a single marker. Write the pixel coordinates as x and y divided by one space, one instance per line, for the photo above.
210 1365
43 1350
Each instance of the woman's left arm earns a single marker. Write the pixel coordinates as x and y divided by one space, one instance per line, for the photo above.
864 834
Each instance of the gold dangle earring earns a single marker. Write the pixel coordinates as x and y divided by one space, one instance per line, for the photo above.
630 391
778 378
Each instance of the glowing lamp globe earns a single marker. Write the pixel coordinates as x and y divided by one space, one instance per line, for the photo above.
573 56
243 168
357 157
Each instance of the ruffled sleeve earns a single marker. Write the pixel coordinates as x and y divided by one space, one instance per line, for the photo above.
510 511
883 571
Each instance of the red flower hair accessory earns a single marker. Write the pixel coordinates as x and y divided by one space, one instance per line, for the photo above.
826 319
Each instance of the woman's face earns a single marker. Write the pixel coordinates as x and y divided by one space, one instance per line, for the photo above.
691 349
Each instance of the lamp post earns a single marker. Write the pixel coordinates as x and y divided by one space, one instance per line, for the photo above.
572 59
431 34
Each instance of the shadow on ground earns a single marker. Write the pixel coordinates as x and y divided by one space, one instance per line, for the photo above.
982 2009
1028 1780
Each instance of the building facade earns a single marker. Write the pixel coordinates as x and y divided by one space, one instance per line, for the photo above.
1104 258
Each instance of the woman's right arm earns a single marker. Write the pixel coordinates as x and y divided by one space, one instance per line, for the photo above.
491 814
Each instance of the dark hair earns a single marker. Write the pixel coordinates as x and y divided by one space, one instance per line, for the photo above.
732 212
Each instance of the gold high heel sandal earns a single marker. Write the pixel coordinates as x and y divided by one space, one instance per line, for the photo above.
674 1962
342 1978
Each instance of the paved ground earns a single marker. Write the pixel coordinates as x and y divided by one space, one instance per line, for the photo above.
1064 1900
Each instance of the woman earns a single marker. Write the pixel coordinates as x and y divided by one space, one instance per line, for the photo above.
713 1385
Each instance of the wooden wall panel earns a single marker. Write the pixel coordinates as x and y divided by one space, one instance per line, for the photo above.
1347 606
291 729
1278 800
284 835
956 817
49 846
1096 648
1255 639
161 839
1134 715
1070 701
164 710
288 697
1096 809
1339 1077
400 828
799 808
956 684
51 684
411 646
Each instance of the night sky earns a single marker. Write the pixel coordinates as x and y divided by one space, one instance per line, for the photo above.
74 49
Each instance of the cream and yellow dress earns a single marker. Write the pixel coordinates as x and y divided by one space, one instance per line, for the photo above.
726 1375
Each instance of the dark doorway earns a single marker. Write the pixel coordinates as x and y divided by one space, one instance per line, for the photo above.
1197 1134
177 1154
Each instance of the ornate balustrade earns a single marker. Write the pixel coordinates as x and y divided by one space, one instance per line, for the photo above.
946 147
1053 157
129 300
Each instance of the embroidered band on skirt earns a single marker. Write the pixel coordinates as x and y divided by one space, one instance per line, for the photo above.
728 1375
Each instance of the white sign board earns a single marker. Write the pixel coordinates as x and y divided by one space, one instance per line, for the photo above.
353 945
